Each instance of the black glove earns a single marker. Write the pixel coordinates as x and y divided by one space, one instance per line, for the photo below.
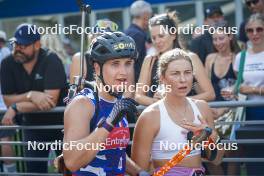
124 106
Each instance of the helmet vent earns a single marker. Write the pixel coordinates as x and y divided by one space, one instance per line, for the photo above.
103 50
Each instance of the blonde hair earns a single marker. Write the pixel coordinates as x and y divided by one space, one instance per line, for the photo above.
256 17
169 56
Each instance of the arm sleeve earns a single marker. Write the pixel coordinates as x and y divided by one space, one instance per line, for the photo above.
55 77
6 76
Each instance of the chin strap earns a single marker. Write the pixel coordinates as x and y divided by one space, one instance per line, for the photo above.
111 92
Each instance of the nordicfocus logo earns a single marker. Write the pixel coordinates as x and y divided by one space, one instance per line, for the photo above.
124 87
71 29
118 138
124 46
191 29
165 145
59 145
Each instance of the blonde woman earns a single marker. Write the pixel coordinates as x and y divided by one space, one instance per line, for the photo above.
168 120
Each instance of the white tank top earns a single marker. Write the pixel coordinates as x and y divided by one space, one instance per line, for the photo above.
171 137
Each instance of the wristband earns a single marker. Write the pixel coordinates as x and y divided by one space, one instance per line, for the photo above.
105 125
14 107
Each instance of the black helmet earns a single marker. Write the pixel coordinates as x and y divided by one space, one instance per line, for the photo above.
112 45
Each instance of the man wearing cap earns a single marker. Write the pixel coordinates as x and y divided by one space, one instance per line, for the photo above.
203 45
141 12
32 79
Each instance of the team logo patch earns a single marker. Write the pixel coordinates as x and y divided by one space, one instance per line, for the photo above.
118 138
123 45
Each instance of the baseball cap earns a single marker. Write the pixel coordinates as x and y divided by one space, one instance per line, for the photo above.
26 34
211 10
2 36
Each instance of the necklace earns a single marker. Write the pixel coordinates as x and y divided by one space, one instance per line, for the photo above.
178 112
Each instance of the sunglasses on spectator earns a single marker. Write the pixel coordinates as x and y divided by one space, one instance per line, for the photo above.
251 2
106 24
162 19
251 30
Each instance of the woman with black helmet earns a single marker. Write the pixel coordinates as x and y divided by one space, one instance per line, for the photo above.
96 131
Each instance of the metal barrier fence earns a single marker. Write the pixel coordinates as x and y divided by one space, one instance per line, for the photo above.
216 104
232 104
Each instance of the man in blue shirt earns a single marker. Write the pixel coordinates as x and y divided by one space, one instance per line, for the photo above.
141 12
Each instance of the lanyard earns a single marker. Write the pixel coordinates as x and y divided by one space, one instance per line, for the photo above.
176 159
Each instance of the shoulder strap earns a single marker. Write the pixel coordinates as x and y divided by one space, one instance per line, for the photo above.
195 109
240 71
163 110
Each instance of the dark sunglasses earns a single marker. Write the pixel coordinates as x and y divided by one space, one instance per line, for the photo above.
251 2
162 19
251 30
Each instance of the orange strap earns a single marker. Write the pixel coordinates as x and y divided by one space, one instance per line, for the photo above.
174 161
177 159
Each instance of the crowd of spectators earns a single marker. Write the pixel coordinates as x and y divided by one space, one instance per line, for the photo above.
36 72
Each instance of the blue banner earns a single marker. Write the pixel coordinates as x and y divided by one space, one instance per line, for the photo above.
19 8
